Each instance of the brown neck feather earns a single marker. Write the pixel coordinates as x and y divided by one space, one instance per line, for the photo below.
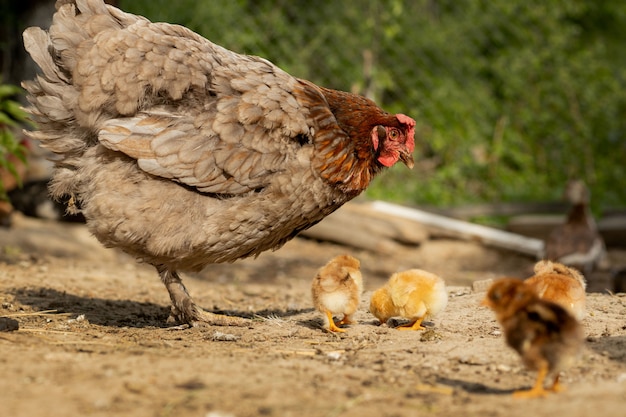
351 164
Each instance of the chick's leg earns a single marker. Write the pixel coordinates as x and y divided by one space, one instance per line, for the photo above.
185 310
416 325
347 319
556 385
331 323
537 390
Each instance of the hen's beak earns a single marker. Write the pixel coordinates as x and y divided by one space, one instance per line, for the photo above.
407 158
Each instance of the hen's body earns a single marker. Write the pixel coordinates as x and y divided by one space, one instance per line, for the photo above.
183 153
577 242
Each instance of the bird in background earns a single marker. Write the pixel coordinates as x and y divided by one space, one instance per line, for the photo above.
337 289
414 295
183 153
577 242
560 284
545 335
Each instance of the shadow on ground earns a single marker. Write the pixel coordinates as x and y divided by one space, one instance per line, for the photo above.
120 313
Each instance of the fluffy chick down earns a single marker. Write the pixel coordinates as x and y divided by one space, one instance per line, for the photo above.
414 295
336 290
560 284
545 335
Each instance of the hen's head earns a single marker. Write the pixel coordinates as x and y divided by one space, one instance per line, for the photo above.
395 141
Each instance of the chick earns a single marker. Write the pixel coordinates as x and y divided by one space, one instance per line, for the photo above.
560 284
337 289
544 334
412 294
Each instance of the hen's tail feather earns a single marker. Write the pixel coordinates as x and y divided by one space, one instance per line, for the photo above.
53 95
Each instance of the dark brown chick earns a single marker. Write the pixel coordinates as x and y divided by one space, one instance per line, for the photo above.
546 336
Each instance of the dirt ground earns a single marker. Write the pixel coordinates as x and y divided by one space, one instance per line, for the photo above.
93 338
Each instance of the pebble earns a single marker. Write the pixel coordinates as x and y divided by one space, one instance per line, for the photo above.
8 324
225 337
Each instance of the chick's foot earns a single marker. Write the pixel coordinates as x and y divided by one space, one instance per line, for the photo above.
556 386
416 325
537 390
331 324
346 320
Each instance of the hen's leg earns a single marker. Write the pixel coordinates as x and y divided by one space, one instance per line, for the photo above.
185 310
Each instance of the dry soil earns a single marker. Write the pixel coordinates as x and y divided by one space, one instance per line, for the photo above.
93 338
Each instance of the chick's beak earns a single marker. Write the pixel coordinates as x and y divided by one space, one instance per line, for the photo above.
485 302
407 158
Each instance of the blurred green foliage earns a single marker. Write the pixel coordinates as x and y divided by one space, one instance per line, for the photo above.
512 97
11 117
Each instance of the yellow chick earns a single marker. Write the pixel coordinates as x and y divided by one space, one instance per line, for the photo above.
337 289
560 284
414 294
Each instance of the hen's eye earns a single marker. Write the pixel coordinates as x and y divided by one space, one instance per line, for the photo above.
394 134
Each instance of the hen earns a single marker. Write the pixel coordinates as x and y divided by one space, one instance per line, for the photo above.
414 294
546 336
183 153
336 289
577 242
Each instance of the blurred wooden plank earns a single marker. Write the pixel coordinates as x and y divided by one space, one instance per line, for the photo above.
464 230
612 228
358 226
499 209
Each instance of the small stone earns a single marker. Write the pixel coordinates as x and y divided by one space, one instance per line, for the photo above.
8 325
225 337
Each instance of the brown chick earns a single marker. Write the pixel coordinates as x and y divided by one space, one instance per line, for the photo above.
414 294
184 154
336 289
546 336
560 284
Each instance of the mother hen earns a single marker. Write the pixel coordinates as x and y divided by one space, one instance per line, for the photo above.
183 153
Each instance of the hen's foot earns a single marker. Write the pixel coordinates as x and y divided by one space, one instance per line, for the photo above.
198 317
185 311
